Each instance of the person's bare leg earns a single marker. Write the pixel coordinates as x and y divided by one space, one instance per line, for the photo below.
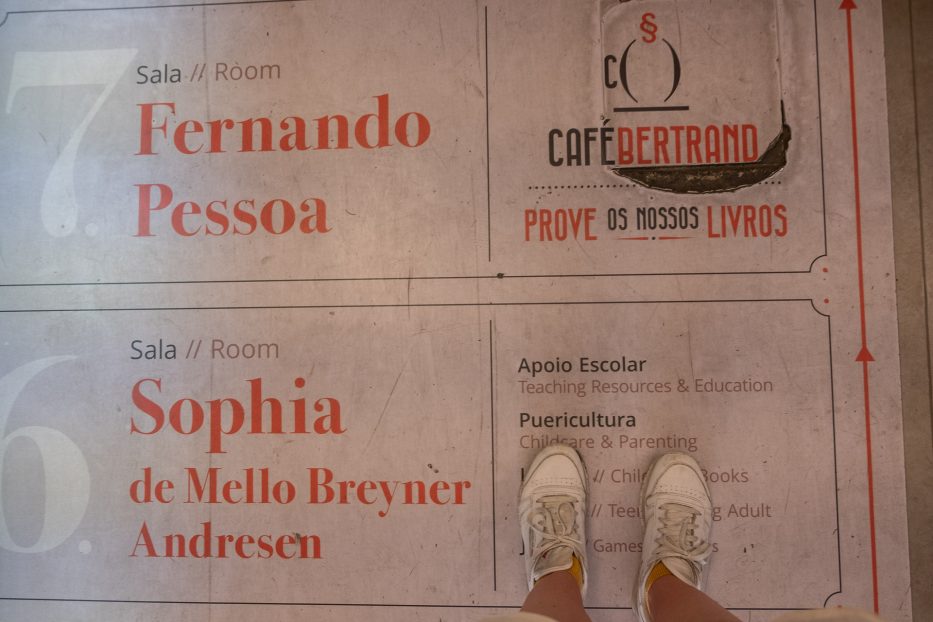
678 514
672 600
557 595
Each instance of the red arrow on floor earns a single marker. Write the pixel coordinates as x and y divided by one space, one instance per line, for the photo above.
864 356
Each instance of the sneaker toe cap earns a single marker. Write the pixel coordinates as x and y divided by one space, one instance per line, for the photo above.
681 480
557 469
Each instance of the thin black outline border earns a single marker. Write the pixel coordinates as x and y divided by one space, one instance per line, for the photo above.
488 167
500 275
184 5
492 420
492 446
488 180
368 605
404 305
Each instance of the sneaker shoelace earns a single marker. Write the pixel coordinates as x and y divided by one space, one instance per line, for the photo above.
554 521
678 535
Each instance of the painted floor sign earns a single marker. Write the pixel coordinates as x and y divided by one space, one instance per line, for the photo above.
292 292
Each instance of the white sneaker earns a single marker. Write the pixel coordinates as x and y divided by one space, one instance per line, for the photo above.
677 513
552 512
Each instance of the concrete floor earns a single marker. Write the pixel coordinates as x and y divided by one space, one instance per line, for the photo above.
909 65
909 69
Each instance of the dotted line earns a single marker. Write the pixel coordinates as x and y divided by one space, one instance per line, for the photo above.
596 186
581 187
